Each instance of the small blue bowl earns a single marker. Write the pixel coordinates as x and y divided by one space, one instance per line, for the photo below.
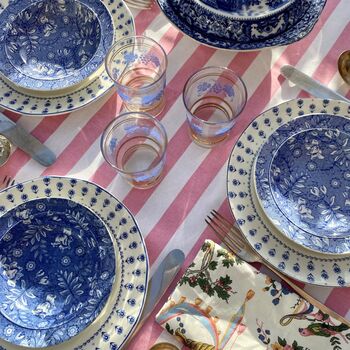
50 44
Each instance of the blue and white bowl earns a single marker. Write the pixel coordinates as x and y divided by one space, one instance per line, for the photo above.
251 9
250 22
37 103
302 178
248 28
50 44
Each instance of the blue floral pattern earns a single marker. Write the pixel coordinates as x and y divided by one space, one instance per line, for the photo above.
34 103
212 86
303 173
227 32
53 44
58 266
290 258
97 207
152 93
250 8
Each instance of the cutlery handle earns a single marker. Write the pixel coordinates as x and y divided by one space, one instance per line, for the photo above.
309 298
310 85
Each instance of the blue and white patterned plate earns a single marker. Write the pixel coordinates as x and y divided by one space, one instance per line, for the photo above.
83 202
212 28
37 103
50 44
250 9
290 258
58 266
302 178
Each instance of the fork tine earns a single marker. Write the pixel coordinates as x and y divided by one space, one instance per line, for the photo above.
232 230
7 181
229 230
222 234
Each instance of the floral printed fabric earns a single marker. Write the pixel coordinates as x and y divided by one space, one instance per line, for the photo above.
222 302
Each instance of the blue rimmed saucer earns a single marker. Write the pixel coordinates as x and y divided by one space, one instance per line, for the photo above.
49 44
211 27
57 266
302 180
123 308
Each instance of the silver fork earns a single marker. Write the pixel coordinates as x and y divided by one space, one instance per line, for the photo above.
140 4
7 182
233 238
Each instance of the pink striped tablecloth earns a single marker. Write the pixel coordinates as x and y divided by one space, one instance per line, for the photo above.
172 214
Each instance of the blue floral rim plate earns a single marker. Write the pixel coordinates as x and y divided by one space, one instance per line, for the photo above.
69 225
303 174
294 260
58 267
214 29
50 44
36 103
302 180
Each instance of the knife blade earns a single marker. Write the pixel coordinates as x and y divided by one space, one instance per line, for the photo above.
310 85
158 284
25 141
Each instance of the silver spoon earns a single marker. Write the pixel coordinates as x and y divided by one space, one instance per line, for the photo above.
344 66
5 150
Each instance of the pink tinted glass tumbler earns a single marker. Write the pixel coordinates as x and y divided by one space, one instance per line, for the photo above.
213 97
135 145
137 65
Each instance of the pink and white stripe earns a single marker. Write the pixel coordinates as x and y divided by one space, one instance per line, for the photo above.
172 214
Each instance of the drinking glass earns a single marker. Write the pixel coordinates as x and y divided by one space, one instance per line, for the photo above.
214 97
135 144
137 65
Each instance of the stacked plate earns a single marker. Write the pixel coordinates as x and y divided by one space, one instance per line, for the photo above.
243 24
74 266
52 52
289 189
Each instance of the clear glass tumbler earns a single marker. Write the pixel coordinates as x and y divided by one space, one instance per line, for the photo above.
135 144
214 97
137 65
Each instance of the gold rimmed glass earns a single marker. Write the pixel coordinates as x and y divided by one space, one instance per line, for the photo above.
214 97
137 65
135 145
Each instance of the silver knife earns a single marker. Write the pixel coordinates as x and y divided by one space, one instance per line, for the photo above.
25 141
310 85
158 284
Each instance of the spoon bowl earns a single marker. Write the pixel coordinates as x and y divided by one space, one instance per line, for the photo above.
5 150
344 66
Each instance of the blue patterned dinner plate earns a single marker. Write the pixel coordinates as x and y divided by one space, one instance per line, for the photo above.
57 264
302 180
291 258
203 22
74 267
37 103
50 44
303 173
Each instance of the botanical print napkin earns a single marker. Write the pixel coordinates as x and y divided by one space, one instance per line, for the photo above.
222 302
